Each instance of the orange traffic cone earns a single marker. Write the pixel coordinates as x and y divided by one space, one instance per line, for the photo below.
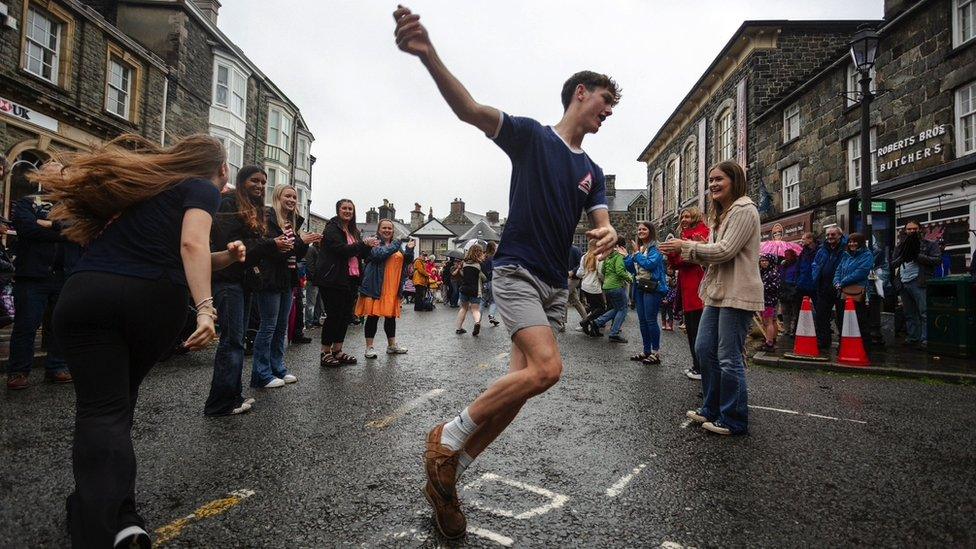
805 344
851 350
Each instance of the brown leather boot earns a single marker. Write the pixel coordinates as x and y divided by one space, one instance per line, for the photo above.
15 382
440 463
447 513
59 377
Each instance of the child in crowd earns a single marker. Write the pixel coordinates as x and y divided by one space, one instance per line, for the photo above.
769 273
470 289
668 306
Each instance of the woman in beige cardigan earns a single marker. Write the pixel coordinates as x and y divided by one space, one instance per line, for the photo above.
732 291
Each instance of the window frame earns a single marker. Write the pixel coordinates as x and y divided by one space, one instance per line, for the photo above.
304 160
957 29
61 69
689 173
134 100
959 116
227 139
284 131
725 135
791 187
852 83
657 184
236 78
791 130
854 164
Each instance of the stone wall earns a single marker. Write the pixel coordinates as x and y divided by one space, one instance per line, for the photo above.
917 73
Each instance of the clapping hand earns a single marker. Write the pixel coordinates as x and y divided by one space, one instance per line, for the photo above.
311 238
284 243
672 246
372 241
237 251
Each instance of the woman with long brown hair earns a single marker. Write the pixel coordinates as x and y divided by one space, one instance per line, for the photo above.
337 275
279 275
144 213
241 217
732 292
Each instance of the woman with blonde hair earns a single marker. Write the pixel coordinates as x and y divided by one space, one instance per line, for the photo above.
590 273
379 293
144 213
278 276
690 276
470 288
732 292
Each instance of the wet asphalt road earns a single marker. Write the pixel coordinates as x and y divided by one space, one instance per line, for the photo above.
335 459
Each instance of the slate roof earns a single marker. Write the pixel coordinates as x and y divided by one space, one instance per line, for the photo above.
481 231
434 228
622 200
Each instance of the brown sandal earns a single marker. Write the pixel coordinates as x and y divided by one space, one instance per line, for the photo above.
327 360
343 358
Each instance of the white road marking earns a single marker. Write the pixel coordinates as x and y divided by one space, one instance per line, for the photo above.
501 355
808 414
504 541
619 486
556 500
385 422
685 423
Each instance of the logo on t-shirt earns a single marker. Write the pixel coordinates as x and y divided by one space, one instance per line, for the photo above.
586 183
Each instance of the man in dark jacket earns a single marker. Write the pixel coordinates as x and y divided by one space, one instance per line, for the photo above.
824 266
44 259
915 259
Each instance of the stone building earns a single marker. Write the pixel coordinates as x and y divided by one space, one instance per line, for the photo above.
90 70
386 211
460 220
626 208
70 80
760 64
923 130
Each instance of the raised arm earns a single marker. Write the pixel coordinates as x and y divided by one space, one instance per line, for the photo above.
412 37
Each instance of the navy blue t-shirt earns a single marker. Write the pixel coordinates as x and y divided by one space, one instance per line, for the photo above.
144 242
552 185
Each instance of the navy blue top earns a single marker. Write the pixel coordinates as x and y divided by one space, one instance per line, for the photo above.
144 242
552 185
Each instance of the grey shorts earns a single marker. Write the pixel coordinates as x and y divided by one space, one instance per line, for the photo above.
524 300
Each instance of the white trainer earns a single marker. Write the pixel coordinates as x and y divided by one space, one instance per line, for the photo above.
275 383
289 378
370 352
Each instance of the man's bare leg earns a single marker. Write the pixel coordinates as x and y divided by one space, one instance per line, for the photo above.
489 430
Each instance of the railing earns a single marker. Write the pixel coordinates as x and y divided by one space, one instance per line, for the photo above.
277 155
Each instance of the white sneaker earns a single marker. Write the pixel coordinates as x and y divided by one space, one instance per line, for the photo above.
289 378
275 383
244 408
691 374
695 416
370 352
132 536
249 401
396 350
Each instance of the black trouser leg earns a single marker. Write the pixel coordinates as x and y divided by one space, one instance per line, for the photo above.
692 319
338 312
110 343
389 326
595 304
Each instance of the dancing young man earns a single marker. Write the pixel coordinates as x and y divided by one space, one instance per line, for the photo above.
553 182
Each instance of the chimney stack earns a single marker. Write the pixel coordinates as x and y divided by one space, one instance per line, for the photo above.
210 8
416 217
372 217
457 208
387 211
492 216
611 184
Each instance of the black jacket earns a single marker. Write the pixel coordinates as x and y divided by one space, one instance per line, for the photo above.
40 252
273 270
928 258
332 267
228 227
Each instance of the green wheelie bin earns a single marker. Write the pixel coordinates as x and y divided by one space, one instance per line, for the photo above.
951 312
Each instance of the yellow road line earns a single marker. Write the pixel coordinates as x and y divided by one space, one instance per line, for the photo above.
211 509
385 422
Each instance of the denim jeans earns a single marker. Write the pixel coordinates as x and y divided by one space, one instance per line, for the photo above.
648 305
913 303
311 300
269 343
31 299
225 387
721 338
618 310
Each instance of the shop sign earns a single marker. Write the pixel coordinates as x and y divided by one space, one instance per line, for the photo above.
912 148
792 228
21 112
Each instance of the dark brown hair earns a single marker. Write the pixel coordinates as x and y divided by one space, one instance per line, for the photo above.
350 227
92 188
252 214
591 81
856 237
740 187
650 229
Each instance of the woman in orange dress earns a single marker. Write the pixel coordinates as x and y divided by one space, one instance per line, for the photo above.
379 293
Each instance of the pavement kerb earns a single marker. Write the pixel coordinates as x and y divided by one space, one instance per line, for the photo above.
766 359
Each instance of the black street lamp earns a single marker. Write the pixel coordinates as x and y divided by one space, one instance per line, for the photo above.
864 51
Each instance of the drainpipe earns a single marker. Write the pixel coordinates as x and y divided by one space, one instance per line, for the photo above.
162 128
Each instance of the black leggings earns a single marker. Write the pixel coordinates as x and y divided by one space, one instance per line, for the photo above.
692 320
595 304
389 326
338 313
113 329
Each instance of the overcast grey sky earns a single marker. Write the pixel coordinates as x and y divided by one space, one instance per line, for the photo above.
383 131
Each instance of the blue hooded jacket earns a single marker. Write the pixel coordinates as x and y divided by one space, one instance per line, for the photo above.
372 284
825 265
652 260
854 269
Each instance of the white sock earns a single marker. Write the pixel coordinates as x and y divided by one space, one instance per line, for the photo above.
463 461
457 431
